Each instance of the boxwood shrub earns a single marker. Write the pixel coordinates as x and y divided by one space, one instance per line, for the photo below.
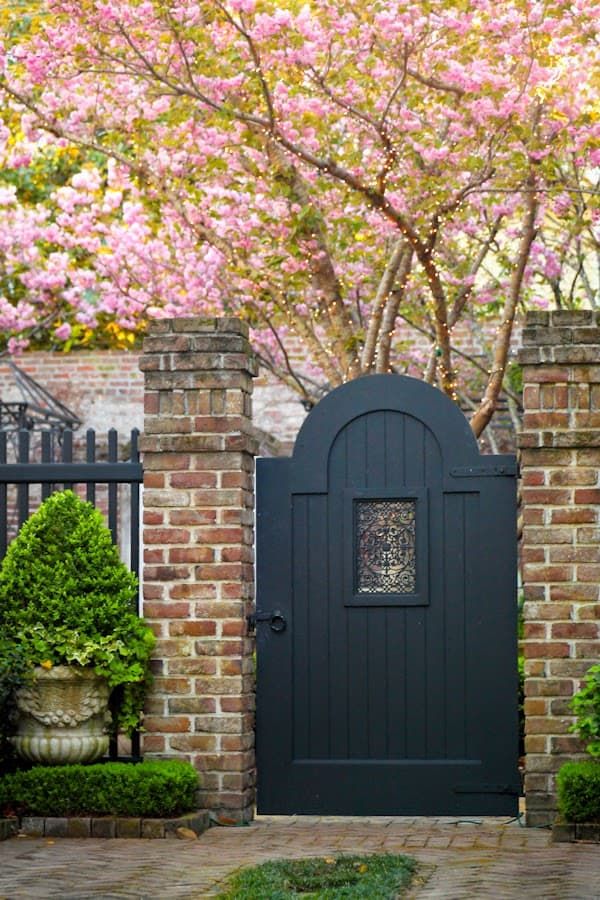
153 788
579 791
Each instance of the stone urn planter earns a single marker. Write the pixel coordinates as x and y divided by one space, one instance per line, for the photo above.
62 716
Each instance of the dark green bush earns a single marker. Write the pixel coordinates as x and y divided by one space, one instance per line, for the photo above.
151 788
67 598
579 791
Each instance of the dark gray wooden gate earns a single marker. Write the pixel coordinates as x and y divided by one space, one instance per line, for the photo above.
386 612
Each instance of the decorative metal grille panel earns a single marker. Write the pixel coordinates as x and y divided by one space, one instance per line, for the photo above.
385 541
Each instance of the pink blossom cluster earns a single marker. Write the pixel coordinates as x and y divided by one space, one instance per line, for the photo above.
264 157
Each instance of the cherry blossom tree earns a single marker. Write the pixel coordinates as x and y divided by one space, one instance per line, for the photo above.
327 170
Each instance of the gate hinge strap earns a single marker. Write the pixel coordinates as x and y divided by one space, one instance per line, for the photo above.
509 469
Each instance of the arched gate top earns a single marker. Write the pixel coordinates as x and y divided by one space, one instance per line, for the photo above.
398 393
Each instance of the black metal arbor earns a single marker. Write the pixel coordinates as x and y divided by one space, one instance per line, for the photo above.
386 612
37 408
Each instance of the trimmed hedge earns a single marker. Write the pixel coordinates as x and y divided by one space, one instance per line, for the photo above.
579 791
153 789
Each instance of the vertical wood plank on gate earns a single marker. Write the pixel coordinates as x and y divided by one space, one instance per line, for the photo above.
301 635
416 622
355 437
318 648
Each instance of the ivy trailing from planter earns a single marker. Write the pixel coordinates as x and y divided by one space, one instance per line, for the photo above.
66 598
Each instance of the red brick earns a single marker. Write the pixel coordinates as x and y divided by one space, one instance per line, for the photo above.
574 630
154 555
191 590
584 554
170 610
566 516
190 743
547 725
219 572
166 536
194 480
547 496
574 592
166 573
545 650
548 687
167 724
535 573
568 744
154 479
545 420
221 535
533 554
534 630
172 685
153 517
588 573
193 554
536 707
192 516
231 629
153 743
533 478
587 495
194 627
193 666
533 516
542 374
587 650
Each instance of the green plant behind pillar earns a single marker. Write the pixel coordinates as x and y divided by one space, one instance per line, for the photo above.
67 598
586 705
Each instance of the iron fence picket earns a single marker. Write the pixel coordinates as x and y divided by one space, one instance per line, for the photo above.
46 488
113 456
23 487
90 457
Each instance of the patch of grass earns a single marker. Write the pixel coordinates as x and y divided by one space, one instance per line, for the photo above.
377 876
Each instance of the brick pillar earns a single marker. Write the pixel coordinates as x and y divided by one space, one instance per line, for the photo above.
198 572
560 465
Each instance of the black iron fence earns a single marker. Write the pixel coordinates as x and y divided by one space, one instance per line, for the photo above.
34 464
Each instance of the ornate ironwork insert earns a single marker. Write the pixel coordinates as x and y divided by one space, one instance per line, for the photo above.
386 542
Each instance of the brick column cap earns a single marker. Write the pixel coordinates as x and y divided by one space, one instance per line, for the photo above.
209 324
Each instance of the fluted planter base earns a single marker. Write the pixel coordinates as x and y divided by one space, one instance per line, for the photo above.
63 716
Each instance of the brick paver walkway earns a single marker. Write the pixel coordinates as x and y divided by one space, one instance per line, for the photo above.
475 858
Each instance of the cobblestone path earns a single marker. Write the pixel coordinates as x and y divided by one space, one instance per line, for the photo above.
461 859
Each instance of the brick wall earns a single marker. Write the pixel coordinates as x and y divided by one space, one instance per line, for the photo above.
198 559
560 466
105 388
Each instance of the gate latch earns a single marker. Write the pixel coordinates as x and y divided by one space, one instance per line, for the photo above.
276 620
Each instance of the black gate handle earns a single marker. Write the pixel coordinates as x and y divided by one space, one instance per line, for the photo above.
276 620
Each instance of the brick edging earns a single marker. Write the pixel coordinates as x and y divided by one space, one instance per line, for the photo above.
105 826
571 832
